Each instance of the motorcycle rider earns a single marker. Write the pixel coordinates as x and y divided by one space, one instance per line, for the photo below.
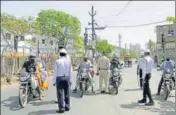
84 64
114 63
139 69
31 65
167 64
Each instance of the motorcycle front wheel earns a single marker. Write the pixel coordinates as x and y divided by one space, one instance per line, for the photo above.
116 88
23 97
82 89
166 91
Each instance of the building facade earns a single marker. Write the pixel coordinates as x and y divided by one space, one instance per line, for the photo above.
169 36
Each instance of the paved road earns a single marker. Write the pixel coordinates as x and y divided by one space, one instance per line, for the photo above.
122 104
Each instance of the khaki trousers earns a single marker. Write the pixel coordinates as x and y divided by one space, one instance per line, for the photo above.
103 77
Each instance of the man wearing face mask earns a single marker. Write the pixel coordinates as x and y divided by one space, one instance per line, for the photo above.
168 64
84 64
30 66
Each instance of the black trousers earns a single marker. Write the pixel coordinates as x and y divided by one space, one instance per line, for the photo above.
63 93
161 82
146 90
141 79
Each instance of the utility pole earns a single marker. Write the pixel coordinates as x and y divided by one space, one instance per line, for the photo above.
120 37
125 46
163 45
92 14
86 39
38 49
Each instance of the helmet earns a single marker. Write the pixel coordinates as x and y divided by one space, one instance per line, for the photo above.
61 47
147 52
32 55
63 51
115 55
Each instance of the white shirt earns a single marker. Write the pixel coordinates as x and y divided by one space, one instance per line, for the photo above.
85 64
68 57
104 63
141 63
148 65
62 68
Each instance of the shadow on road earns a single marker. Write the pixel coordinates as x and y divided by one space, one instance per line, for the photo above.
164 108
43 112
89 93
138 89
42 103
11 103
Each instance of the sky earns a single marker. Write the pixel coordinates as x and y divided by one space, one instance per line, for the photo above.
137 12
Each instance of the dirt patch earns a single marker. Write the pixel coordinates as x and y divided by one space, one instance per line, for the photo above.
14 81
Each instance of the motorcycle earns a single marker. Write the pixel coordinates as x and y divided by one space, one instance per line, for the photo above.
84 81
28 84
115 80
168 84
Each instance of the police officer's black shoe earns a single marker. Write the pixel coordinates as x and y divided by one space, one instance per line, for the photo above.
151 103
142 101
102 91
75 90
67 109
60 111
56 101
158 94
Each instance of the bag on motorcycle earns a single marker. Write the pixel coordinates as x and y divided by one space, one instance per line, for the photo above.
34 83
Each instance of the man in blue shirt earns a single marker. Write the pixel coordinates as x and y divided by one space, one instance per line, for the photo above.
168 64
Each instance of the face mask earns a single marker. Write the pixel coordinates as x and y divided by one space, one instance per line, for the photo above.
32 60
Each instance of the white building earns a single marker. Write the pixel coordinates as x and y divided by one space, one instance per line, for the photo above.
22 45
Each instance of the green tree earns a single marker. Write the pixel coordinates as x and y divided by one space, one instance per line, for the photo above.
17 27
123 52
171 19
104 46
58 24
78 44
133 54
151 45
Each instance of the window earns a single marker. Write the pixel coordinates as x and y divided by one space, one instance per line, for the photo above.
8 36
43 41
51 42
21 38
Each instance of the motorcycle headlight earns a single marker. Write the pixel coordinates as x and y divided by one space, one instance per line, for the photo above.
23 78
115 74
167 76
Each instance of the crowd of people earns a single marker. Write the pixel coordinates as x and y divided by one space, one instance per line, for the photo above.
62 76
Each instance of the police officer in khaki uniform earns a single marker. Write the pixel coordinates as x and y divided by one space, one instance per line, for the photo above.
146 71
103 71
